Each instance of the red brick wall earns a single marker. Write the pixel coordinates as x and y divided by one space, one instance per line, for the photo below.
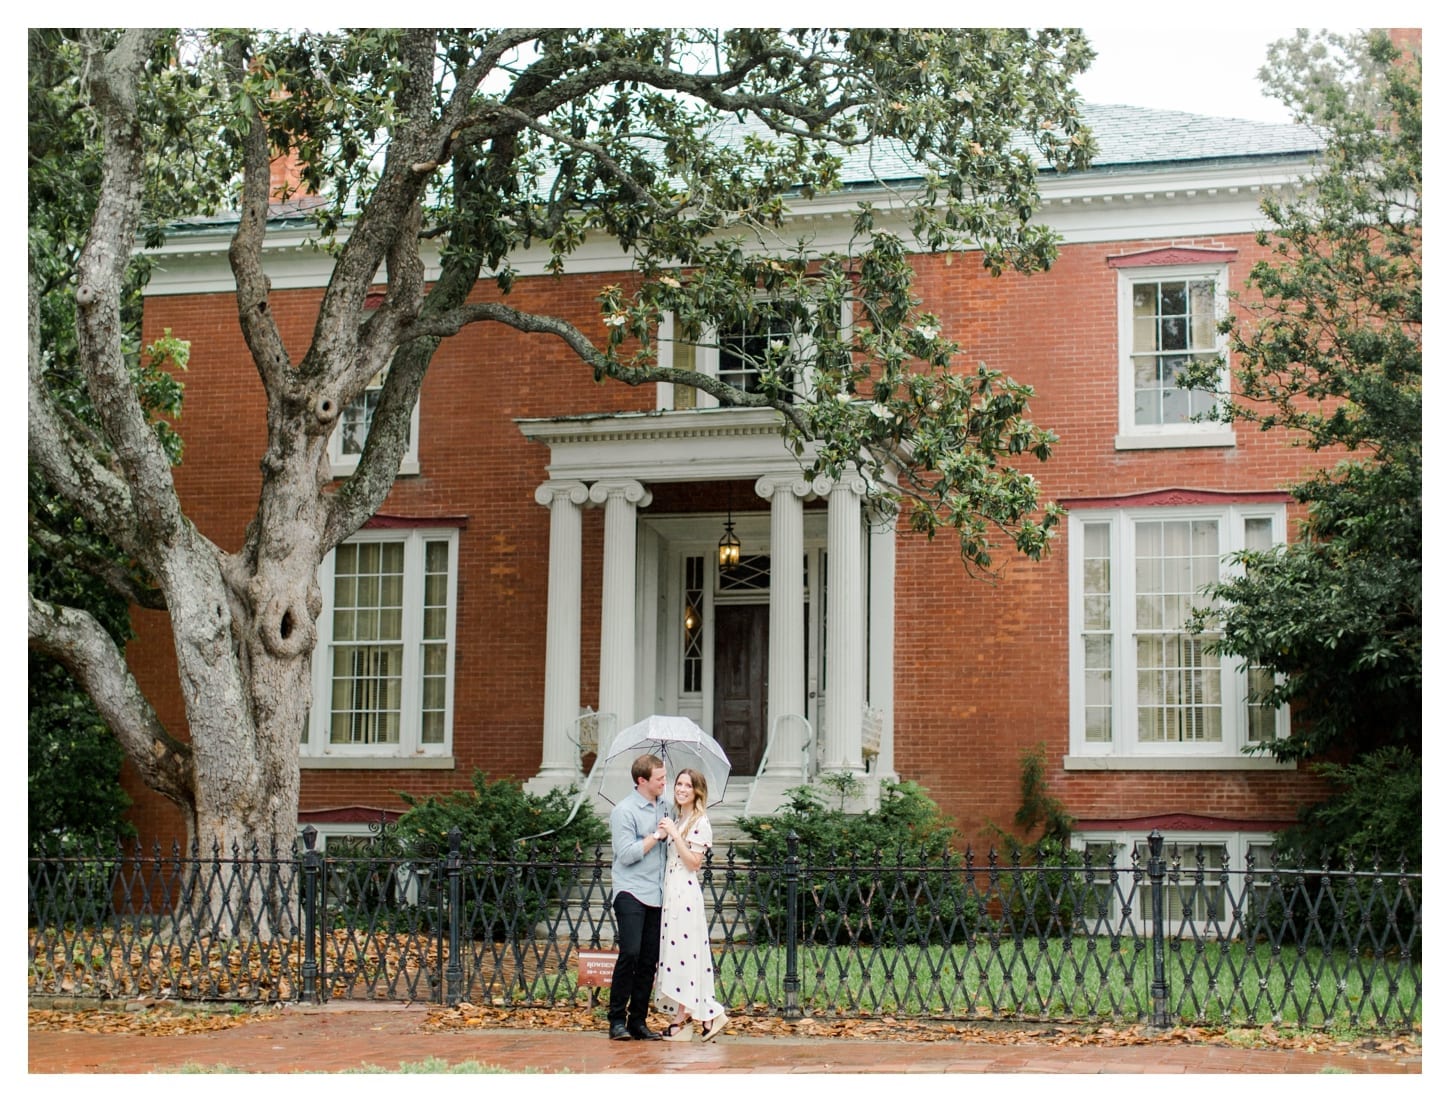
981 667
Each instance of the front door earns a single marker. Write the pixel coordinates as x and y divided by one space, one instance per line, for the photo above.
742 642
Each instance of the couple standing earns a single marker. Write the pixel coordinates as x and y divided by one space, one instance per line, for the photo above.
659 909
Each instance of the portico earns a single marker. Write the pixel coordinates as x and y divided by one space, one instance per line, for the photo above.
814 592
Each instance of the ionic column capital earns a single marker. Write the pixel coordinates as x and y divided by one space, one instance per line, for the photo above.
547 492
631 490
767 486
849 482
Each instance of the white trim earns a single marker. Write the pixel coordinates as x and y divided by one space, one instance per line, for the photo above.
665 354
336 830
417 761
344 465
1212 436
689 445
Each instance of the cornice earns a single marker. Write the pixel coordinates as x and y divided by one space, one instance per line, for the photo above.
663 424
666 445
1180 201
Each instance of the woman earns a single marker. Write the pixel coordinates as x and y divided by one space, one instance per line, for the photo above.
685 976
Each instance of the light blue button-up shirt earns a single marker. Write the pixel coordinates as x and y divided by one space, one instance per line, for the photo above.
640 874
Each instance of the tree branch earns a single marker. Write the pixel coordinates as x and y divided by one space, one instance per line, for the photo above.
245 252
112 573
603 365
82 646
112 81
69 466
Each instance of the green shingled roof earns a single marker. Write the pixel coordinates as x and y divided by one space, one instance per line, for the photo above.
1126 137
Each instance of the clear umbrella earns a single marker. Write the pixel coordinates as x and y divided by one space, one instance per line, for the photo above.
677 741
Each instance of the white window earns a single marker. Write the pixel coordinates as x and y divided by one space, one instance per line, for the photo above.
346 446
1167 320
1142 687
1208 889
733 353
383 668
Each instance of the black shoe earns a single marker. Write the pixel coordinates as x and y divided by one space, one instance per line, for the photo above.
642 1033
618 1031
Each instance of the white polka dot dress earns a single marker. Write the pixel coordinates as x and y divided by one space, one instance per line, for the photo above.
685 975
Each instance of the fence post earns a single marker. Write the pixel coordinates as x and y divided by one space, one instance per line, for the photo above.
1156 875
792 890
311 874
453 975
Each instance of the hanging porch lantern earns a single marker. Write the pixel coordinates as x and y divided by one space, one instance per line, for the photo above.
729 546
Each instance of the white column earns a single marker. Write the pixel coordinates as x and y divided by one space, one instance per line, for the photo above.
787 628
845 624
560 765
882 632
621 497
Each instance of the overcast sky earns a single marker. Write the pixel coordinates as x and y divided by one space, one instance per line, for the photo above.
1154 66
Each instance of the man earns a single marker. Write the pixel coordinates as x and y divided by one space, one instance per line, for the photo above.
638 873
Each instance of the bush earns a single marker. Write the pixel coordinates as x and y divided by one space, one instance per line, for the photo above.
884 877
1373 814
511 877
72 881
1372 818
74 765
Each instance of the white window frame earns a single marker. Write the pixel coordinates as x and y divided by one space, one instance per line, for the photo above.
406 882
707 359
1182 885
1124 749
344 465
316 749
337 831
1192 434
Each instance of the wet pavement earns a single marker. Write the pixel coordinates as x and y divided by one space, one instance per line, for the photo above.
346 1037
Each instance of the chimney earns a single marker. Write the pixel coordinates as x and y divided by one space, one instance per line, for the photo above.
286 182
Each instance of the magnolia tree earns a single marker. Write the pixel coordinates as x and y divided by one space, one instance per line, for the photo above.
683 146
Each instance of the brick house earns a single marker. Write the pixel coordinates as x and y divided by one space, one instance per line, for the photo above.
549 548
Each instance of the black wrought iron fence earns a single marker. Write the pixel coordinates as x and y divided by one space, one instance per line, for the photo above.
1173 937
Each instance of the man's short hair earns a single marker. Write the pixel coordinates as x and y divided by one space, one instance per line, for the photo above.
644 767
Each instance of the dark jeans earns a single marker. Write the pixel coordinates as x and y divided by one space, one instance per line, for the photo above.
638 927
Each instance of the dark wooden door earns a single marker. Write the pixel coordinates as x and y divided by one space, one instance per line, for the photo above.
742 642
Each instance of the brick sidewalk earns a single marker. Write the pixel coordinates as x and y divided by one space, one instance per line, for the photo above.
344 1037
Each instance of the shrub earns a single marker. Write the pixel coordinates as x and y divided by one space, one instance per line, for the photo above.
883 877
72 881
511 876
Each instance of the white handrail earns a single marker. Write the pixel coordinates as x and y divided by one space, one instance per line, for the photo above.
765 757
603 722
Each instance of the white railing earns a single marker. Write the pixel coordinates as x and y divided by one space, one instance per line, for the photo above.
592 732
772 743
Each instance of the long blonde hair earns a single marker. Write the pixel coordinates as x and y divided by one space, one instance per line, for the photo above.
696 812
